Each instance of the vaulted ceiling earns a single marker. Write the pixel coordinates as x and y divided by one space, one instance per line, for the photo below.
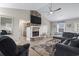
68 10
25 6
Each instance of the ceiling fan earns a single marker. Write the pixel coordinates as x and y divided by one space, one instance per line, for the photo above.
50 9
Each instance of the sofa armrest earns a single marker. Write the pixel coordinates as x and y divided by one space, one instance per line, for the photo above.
67 48
23 50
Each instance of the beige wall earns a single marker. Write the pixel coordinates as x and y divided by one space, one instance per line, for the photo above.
46 22
53 28
72 28
18 15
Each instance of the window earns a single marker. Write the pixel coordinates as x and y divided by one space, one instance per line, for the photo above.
6 24
60 27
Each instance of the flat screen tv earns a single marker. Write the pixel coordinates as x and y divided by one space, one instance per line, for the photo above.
35 20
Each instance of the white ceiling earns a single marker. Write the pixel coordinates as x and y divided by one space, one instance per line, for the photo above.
25 6
68 11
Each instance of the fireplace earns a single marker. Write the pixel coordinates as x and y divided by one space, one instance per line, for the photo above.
35 33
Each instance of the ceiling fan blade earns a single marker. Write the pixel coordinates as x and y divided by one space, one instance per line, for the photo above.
57 9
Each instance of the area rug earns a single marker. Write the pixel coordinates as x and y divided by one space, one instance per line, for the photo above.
44 49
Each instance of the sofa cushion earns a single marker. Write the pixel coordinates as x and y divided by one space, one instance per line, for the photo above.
69 34
75 43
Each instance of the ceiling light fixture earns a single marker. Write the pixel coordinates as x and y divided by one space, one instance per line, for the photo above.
52 11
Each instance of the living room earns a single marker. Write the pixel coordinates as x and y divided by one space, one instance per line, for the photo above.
41 31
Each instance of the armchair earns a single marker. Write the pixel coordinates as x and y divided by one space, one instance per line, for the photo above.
9 48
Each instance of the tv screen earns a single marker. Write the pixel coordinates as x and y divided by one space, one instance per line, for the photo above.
35 20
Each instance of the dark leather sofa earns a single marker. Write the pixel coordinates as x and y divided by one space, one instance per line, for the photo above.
69 46
66 35
69 34
4 32
65 50
9 48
